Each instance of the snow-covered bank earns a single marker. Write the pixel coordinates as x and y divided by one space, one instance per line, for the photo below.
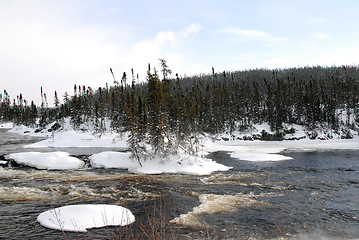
184 164
73 138
49 161
258 150
110 159
65 136
272 150
6 125
79 218
246 150
181 164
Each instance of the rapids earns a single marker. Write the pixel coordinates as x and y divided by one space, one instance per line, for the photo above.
313 196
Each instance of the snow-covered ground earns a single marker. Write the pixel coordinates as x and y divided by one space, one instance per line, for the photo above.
256 150
79 218
182 164
6 125
67 137
271 150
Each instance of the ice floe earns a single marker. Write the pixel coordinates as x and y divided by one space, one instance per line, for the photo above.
79 218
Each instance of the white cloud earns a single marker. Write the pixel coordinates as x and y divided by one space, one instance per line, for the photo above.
166 44
251 34
33 56
42 46
190 30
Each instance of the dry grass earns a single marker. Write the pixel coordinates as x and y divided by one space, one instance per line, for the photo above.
154 226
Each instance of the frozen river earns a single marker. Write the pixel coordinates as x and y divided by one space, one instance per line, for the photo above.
313 196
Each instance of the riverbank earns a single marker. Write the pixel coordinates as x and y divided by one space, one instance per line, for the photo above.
246 146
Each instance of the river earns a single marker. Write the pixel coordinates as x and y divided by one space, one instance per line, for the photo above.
313 196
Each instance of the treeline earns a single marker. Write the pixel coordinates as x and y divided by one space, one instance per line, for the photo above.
17 110
168 106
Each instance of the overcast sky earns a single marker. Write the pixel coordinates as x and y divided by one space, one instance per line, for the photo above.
58 43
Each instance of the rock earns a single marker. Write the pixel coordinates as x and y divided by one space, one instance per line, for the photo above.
38 130
290 131
54 127
266 136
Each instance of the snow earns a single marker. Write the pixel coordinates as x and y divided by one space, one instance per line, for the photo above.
180 164
79 218
271 150
68 137
73 138
50 160
249 150
110 159
29 131
175 164
6 125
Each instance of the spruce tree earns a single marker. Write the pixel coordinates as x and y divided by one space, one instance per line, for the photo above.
156 113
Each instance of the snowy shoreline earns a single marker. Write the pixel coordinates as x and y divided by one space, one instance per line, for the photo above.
244 150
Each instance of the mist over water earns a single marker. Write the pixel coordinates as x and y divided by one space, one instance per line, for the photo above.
313 196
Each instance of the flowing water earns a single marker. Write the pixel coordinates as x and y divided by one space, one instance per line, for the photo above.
313 196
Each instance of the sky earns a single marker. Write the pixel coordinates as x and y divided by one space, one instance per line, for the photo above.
55 44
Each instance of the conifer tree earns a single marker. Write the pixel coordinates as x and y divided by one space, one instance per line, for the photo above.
156 113
135 140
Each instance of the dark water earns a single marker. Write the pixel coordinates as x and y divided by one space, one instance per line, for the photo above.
313 196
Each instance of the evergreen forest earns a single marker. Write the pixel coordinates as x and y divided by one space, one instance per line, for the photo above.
167 109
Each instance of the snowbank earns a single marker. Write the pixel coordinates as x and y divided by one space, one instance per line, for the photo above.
65 136
6 125
254 150
248 150
79 218
180 164
50 161
72 138
272 150
110 159
29 131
